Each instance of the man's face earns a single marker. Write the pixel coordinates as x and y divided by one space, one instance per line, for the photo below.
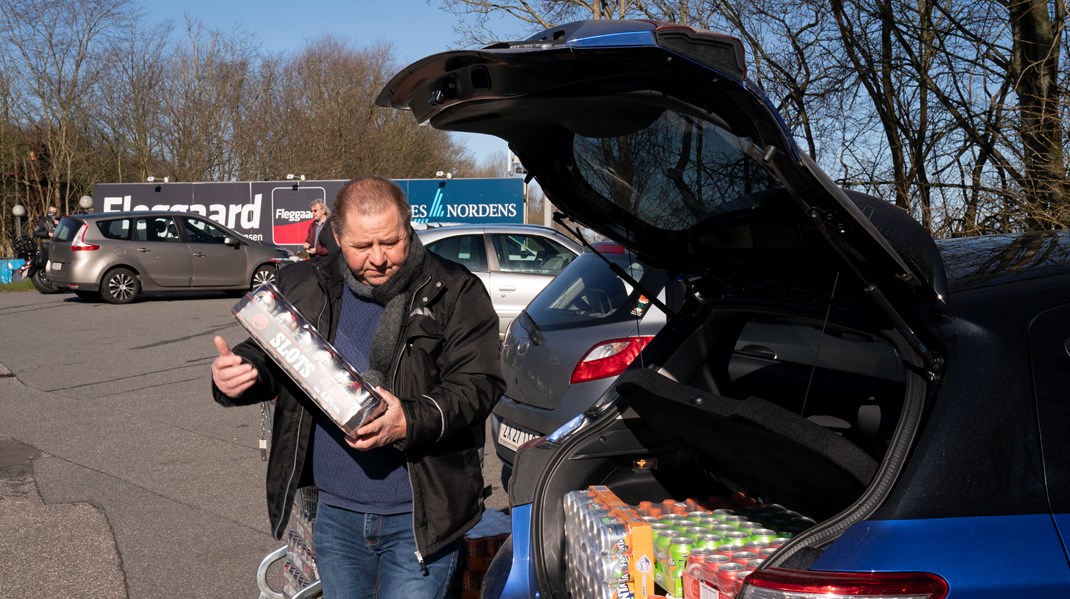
375 246
318 212
51 213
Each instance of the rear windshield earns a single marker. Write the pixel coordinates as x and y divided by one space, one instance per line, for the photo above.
66 229
588 292
676 171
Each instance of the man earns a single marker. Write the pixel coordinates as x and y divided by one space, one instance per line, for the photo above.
46 225
319 237
395 500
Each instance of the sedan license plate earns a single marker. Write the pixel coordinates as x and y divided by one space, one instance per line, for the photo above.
513 438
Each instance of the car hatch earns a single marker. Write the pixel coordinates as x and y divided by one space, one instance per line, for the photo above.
650 134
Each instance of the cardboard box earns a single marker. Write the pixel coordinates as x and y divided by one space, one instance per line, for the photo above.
308 358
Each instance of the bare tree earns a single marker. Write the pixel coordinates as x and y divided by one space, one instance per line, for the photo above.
53 45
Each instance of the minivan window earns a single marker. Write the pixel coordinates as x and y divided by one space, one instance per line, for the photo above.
676 172
202 231
588 291
157 228
66 229
115 229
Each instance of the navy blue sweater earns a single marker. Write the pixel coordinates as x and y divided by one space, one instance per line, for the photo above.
373 481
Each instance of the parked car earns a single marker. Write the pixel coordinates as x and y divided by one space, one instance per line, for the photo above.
118 255
514 261
899 407
563 351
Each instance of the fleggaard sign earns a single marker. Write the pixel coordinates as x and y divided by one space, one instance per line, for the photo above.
278 211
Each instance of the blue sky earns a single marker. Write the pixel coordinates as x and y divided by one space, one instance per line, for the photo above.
415 28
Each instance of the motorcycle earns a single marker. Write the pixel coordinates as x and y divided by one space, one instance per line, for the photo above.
36 264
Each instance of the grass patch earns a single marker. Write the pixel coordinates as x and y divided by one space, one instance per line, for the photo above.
23 285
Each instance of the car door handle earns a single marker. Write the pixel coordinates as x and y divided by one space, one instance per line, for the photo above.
143 250
507 289
198 254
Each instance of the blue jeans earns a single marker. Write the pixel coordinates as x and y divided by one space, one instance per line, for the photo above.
369 556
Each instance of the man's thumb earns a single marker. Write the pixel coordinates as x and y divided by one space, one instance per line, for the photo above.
221 346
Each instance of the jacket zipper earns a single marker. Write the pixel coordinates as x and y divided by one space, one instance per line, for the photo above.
408 469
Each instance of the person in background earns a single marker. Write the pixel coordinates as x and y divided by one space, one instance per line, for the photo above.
46 225
319 236
395 499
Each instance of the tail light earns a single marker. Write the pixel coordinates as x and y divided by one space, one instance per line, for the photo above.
776 583
79 244
608 358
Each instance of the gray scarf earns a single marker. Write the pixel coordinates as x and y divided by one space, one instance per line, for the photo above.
392 295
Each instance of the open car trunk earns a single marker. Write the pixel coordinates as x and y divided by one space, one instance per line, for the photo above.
767 407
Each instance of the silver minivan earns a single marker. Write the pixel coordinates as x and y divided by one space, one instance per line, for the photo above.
118 255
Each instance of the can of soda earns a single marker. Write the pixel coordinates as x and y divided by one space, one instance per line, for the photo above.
721 529
765 535
679 549
661 545
728 577
748 525
611 537
743 557
713 562
697 516
698 554
736 537
754 546
708 541
734 520
723 513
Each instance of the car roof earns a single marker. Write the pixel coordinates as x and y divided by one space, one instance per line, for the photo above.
134 213
489 227
990 260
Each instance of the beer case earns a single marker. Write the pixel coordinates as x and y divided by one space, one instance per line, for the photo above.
308 358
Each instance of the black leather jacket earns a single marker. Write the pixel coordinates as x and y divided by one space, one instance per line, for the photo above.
446 374
44 227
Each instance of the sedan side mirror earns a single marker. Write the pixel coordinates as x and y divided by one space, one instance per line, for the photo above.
231 241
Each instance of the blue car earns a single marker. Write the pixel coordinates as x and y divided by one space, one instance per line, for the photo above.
893 408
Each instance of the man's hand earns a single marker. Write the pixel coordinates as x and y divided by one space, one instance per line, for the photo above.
386 428
232 376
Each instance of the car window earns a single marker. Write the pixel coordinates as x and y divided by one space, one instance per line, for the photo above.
202 231
1049 352
519 252
66 229
588 291
156 229
115 229
468 250
675 172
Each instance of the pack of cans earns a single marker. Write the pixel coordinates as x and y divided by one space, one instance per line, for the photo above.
308 358
706 548
608 547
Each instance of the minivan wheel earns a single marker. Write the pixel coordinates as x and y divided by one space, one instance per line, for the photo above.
120 286
263 274
42 283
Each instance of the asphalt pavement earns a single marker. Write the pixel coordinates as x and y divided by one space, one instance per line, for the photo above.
119 476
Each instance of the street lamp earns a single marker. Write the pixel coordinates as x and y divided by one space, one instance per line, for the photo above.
443 175
291 177
19 212
85 203
152 179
